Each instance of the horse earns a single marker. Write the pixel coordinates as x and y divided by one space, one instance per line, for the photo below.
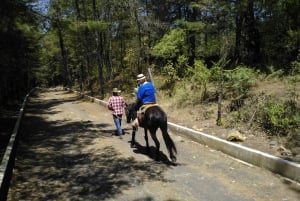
154 118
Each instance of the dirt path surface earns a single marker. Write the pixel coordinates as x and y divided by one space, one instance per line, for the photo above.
67 152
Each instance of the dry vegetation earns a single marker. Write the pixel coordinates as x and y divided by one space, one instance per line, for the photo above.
185 107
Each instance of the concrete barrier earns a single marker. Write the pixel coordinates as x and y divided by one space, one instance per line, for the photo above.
277 165
274 164
8 159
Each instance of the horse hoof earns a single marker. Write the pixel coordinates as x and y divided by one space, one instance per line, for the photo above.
173 159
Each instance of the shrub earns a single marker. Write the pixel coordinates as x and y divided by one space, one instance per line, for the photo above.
199 76
239 80
171 77
279 117
274 119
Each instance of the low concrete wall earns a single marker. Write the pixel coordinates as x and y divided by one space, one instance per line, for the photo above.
8 159
276 165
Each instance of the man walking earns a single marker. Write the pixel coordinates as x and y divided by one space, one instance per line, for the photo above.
116 104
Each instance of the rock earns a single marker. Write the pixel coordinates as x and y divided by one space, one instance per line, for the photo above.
235 135
273 143
283 151
196 128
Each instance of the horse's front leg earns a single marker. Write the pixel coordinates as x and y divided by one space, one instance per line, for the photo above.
133 137
146 139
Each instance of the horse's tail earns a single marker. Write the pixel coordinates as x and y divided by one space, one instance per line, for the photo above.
169 143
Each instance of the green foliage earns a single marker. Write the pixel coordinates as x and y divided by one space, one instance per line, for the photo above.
215 73
19 50
239 80
170 45
279 117
295 65
293 90
199 77
220 122
273 73
92 25
199 74
191 26
182 61
275 119
170 74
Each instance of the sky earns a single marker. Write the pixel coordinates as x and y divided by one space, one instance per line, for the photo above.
41 6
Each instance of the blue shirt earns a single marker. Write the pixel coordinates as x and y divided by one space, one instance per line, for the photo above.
146 93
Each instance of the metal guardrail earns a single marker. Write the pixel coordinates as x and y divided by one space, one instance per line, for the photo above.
272 163
8 159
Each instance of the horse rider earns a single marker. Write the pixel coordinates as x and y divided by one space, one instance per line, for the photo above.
145 95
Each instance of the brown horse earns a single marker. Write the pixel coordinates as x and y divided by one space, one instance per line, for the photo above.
154 117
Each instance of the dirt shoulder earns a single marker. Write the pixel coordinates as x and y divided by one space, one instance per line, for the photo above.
257 139
202 117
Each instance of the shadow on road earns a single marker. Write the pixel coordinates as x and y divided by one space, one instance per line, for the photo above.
139 149
52 162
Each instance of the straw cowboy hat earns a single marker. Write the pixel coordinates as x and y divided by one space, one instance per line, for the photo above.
140 77
116 90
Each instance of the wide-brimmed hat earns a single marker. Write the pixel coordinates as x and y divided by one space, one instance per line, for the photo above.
140 77
116 90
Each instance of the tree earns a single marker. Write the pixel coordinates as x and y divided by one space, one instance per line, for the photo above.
19 53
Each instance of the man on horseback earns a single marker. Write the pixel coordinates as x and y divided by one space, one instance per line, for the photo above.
150 116
145 95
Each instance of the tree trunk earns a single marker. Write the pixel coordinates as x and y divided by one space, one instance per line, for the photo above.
99 50
192 39
253 42
109 42
67 73
238 31
140 51
220 96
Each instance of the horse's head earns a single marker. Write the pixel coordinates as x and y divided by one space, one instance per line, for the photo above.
130 111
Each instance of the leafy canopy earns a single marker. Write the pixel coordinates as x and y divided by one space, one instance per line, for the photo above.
170 45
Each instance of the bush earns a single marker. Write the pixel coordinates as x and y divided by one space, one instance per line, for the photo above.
199 77
279 117
239 80
171 77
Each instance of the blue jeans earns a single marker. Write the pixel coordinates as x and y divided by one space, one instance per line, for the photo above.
117 120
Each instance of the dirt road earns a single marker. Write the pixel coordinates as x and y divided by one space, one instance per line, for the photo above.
67 152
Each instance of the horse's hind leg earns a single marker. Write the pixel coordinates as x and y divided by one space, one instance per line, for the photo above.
133 136
146 139
157 144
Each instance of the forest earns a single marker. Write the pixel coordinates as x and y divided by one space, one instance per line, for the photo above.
94 45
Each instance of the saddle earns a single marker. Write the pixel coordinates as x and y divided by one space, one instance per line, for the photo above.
142 110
